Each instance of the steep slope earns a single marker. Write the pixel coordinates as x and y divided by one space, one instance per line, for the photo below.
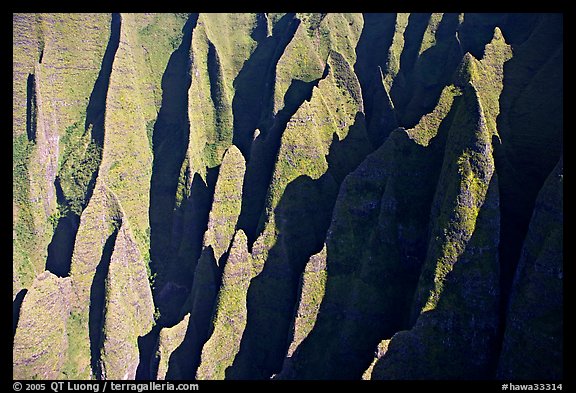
169 339
230 313
308 169
535 319
287 196
373 220
457 296
55 68
40 342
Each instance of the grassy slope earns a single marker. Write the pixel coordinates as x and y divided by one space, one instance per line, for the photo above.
305 169
63 83
375 212
230 313
40 342
226 203
466 173
128 310
169 340
460 276
220 45
323 141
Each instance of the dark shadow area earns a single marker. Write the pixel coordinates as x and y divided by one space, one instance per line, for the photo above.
260 168
375 247
302 217
97 302
97 103
207 279
31 108
464 348
254 85
372 48
530 125
417 23
372 53
61 246
432 70
383 119
16 305
147 348
170 142
190 222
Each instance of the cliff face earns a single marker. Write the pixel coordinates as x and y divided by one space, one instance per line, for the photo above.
288 196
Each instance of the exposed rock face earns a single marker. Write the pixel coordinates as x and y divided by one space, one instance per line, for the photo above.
287 196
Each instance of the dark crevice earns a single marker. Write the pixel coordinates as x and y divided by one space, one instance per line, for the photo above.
96 108
169 260
97 302
371 53
254 85
260 30
189 295
170 143
61 246
260 168
432 70
16 305
303 216
186 358
477 30
31 108
207 276
413 34
147 348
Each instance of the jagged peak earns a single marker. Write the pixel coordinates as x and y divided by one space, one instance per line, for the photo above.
345 75
498 36
240 241
498 48
233 155
429 124
466 70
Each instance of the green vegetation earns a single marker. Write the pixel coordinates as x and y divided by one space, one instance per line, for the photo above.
467 177
428 126
170 339
129 308
287 196
230 316
311 294
226 203
396 48
78 347
40 343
